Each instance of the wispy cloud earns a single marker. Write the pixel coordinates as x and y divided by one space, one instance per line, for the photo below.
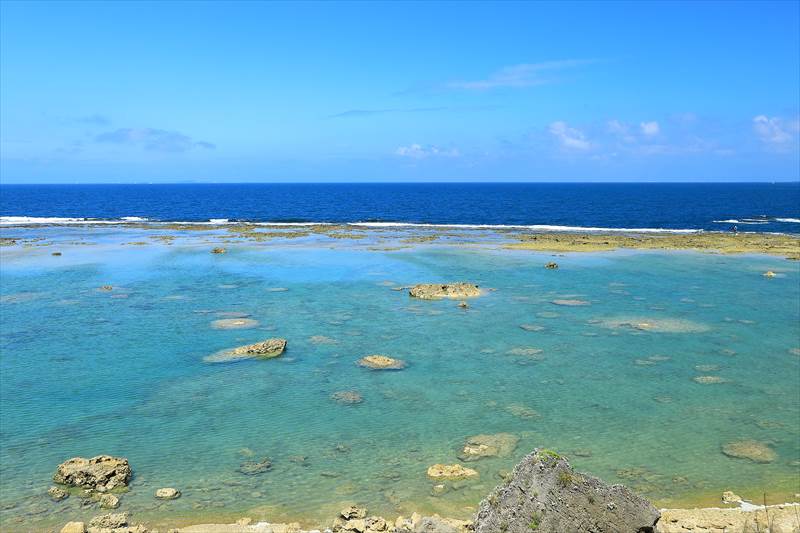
356 113
94 120
649 129
569 138
775 132
153 139
518 76
418 151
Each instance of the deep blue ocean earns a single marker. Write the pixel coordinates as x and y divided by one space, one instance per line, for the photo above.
750 206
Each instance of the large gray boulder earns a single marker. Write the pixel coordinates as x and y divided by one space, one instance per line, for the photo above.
545 494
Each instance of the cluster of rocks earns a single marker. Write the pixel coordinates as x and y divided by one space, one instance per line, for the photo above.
101 473
355 520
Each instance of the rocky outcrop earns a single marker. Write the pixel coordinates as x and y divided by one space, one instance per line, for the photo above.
775 519
57 494
218 250
100 473
267 349
381 362
551 266
74 527
544 494
437 291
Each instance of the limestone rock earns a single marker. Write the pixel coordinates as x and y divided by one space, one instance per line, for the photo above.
545 494
218 251
267 349
769 274
108 501
101 473
74 527
437 291
730 497
440 471
168 493
57 494
381 362
551 266
110 521
480 446
353 512
758 452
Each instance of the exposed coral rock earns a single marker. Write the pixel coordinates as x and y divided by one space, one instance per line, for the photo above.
267 349
440 471
730 497
551 266
545 494
769 274
436 291
100 473
218 251
381 362
758 452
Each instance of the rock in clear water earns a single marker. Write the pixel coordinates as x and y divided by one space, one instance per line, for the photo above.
57 494
545 494
480 446
168 493
440 471
267 349
756 451
381 362
102 473
436 291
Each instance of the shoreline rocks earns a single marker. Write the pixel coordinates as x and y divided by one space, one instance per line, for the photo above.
544 493
101 473
267 349
437 291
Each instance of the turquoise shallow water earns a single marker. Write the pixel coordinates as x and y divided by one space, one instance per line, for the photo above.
85 372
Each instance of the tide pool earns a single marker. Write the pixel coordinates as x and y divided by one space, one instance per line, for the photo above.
608 383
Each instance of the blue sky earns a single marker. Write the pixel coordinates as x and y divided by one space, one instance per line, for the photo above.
403 91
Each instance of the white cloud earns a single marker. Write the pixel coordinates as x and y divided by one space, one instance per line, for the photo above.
418 151
650 129
775 131
524 75
570 138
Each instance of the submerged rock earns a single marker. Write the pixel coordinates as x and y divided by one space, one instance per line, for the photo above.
57 494
435 291
551 266
252 468
381 362
349 397
769 274
480 446
545 494
440 471
532 327
571 302
756 451
101 473
108 501
234 323
168 493
267 349
707 380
